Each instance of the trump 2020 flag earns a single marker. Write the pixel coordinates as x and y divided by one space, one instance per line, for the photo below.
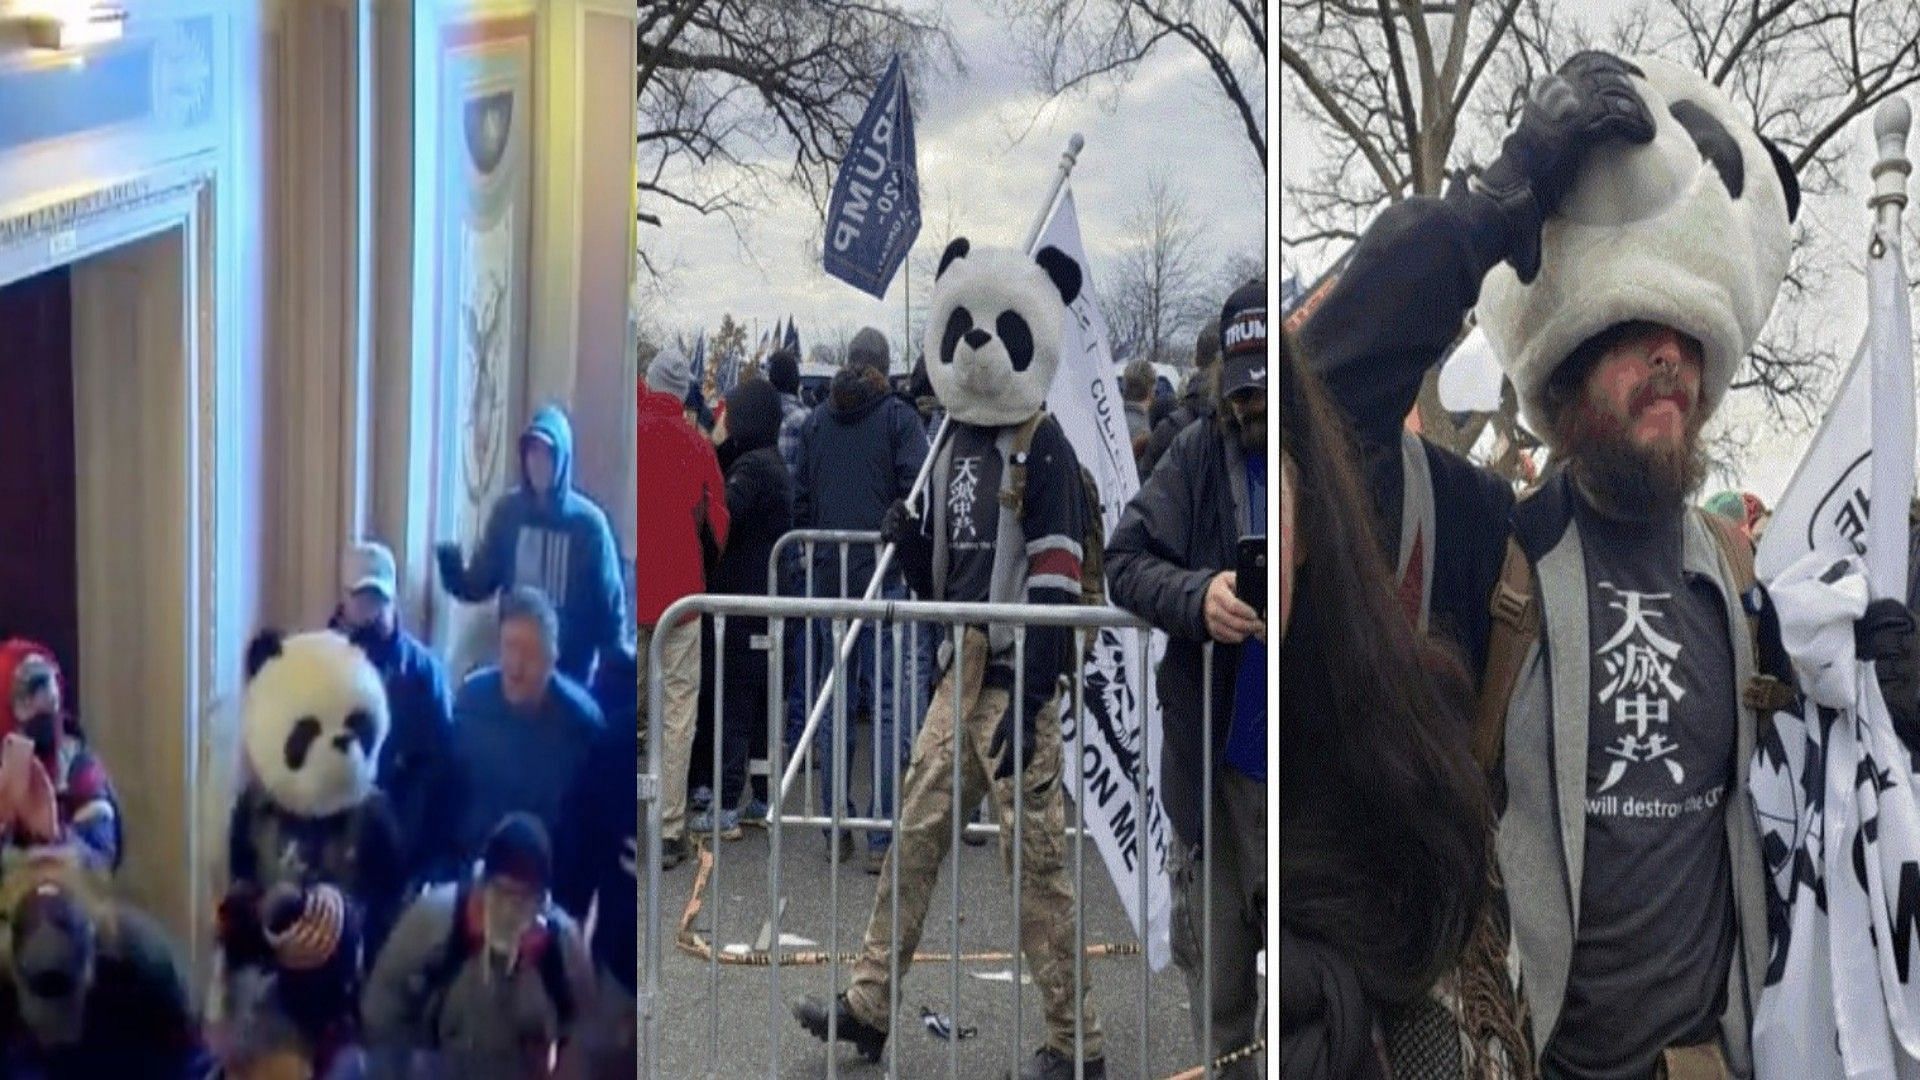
1116 740
873 216
1834 787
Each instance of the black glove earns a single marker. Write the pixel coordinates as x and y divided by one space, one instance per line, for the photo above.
1002 745
1887 636
912 550
1589 101
452 566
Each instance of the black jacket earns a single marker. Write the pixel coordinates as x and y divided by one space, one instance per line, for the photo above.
1393 313
1326 1021
760 507
1181 529
859 451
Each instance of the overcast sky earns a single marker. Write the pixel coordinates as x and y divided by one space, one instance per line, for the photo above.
1837 224
984 168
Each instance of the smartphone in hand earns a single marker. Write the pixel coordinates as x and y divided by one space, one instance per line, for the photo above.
1250 574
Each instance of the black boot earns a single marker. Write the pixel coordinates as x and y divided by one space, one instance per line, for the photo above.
812 1014
1050 1064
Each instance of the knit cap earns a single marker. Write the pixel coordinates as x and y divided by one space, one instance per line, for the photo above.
670 373
519 851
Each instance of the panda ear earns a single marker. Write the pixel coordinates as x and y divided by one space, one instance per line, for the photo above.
1063 270
956 250
264 647
1789 181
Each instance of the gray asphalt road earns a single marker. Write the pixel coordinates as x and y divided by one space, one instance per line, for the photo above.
718 1020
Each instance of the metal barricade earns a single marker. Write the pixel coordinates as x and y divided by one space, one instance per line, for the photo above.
771 954
903 725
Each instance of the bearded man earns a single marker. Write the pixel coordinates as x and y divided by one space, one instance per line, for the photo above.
1622 253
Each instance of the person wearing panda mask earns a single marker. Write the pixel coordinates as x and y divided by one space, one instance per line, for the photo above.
987 535
1622 253
314 719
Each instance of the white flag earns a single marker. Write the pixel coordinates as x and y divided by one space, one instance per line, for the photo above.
1825 505
1834 788
1115 752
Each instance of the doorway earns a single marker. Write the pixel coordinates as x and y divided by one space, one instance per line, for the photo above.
39 584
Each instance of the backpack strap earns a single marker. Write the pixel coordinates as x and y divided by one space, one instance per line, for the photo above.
1014 497
1763 692
1515 607
553 976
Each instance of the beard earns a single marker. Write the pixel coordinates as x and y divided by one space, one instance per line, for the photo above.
1253 434
1624 479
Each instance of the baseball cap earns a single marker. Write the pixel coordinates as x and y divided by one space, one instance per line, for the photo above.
369 565
1243 339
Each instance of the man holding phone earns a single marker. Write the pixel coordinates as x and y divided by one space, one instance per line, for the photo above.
1189 556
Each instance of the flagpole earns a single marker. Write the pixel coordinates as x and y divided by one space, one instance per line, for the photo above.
1892 375
797 753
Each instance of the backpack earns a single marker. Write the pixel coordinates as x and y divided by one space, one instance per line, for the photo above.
1515 607
1093 541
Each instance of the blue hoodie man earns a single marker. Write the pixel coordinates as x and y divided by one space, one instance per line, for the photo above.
546 535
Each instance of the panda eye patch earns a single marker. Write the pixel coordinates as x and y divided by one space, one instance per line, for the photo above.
1017 336
361 725
958 324
299 741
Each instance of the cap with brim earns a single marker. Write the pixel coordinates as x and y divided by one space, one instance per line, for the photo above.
370 569
1243 371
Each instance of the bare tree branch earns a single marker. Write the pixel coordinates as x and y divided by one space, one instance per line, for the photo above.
738 95
1073 45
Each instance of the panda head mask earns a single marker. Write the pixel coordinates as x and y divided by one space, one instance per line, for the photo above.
315 716
993 341
1691 230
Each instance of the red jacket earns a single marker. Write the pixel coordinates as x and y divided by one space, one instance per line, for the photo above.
677 472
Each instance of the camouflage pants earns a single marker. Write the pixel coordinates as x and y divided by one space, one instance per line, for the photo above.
926 833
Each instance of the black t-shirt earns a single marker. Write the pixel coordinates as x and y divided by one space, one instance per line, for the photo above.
1656 936
973 513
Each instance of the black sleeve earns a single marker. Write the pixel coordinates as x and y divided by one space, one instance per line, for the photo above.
1399 304
1147 553
240 861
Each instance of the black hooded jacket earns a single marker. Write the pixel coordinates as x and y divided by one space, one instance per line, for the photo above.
759 490
859 451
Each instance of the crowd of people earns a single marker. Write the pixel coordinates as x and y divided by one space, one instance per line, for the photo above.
427 875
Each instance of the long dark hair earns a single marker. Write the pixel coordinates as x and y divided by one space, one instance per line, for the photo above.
1385 819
